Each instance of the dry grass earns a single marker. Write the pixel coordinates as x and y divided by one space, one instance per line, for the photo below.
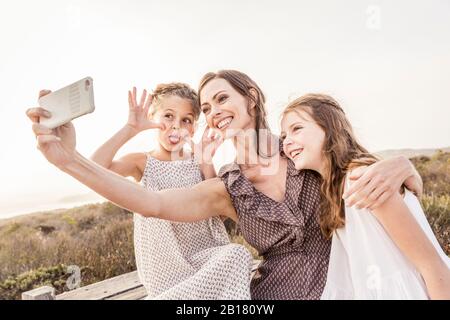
36 250
435 172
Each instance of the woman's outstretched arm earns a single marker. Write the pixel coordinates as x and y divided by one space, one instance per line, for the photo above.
207 199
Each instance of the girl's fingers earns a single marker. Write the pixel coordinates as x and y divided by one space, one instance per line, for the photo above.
373 197
189 140
134 97
148 102
356 197
217 135
358 184
380 200
218 142
143 96
415 185
213 134
357 173
362 194
205 133
363 203
130 99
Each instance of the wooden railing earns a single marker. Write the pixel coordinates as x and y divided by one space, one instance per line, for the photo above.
124 287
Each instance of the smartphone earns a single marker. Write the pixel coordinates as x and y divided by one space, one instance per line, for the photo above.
68 103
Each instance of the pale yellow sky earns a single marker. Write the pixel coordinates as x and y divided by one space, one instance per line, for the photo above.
387 62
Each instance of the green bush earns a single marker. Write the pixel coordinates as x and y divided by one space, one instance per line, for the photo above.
12 287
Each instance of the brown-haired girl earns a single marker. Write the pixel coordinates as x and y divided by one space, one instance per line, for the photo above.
383 252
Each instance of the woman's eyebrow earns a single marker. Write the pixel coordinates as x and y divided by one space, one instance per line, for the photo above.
294 124
214 97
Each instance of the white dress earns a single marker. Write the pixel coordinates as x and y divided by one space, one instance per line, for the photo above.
365 263
187 260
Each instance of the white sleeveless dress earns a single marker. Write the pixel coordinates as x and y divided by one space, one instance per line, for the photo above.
181 261
365 263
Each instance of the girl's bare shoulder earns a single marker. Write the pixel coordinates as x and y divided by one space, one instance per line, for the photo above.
139 159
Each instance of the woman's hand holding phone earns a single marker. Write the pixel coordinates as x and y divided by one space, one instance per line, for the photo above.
138 119
57 145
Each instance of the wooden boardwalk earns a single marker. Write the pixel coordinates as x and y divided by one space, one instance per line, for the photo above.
124 287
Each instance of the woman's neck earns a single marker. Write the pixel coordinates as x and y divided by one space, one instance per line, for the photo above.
246 149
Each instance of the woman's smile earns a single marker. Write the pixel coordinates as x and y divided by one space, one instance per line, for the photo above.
224 123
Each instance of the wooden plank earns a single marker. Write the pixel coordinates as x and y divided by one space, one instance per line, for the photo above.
104 289
138 293
123 287
41 293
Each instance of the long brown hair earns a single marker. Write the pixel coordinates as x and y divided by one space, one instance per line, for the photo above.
243 84
342 153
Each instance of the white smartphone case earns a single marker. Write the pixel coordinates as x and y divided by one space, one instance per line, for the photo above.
68 103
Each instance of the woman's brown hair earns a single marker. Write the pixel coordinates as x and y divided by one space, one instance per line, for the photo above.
342 153
243 84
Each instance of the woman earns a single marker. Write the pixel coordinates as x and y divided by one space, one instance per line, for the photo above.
274 205
389 252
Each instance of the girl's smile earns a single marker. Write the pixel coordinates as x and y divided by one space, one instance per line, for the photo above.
303 140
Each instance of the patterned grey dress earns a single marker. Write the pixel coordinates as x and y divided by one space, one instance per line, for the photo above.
187 260
286 234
